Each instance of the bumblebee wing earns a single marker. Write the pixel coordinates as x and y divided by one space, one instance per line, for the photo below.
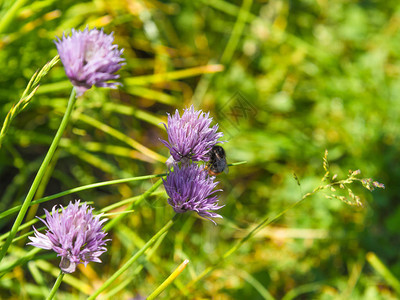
226 170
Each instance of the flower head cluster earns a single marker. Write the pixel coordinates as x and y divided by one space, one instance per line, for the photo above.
190 136
90 58
191 189
189 185
75 234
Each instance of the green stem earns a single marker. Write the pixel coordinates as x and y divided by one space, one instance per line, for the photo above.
39 193
40 174
56 286
122 137
130 262
79 189
265 222
236 32
378 265
168 281
91 186
141 198
265 294
6 268
173 75
11 14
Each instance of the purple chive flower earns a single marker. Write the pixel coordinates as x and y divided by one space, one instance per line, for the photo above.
189 187
90 58
190 136
75 234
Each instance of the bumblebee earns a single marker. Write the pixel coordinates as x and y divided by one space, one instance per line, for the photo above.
217 163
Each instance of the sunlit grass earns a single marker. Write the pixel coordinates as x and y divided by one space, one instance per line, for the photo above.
284 80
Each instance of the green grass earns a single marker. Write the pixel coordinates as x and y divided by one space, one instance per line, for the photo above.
284 80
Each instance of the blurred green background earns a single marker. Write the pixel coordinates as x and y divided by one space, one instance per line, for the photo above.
284 79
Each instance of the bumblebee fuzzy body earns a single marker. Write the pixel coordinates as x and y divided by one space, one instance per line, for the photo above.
217 163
